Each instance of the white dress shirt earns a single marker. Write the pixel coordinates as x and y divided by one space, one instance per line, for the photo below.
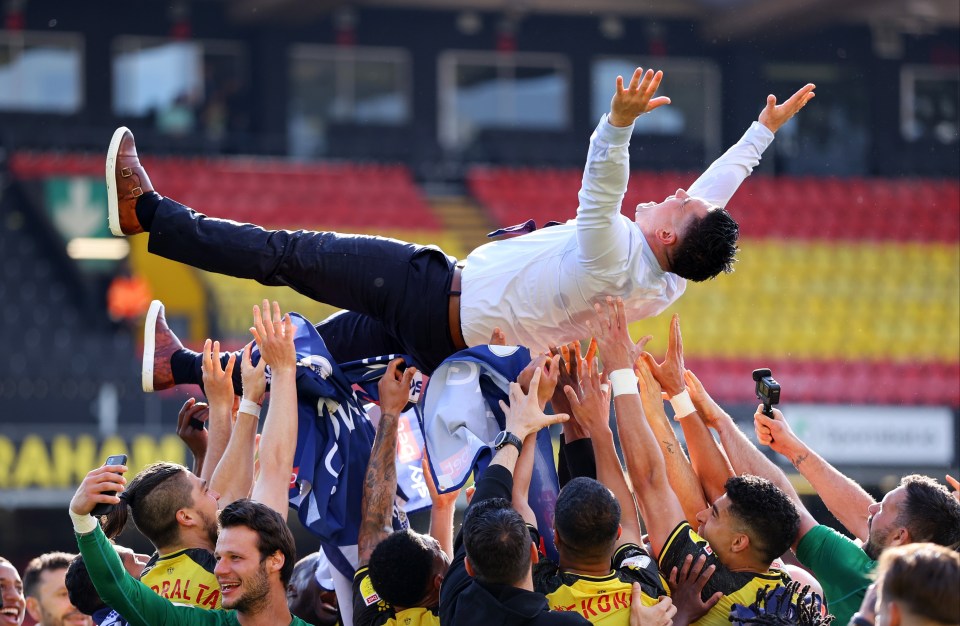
540 288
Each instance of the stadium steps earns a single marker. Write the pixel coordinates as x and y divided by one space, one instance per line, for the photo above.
463 218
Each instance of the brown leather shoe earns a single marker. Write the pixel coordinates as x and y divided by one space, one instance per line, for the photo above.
126 181
159 344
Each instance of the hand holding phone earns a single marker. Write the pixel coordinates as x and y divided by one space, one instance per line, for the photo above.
104 508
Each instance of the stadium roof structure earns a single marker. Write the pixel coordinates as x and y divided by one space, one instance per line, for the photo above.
721 19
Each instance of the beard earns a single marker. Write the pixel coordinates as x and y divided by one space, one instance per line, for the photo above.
876 541
210 527
255 593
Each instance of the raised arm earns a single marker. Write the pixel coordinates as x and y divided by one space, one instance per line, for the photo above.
523 472
218 387
658 504
193 415
278 440
380 481
846 499
233 478
747 459
724 176
707 464
575 456
442 510
593 410
603 235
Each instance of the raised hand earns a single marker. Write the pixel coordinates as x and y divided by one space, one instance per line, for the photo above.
394 388
707 408
592 407
548 382
651 394
569 366
217 380
774 432
686 587
253 379
498 337
669 373
774 116
274 337
524 415
613 336
636 99
90 493
955 485
193 415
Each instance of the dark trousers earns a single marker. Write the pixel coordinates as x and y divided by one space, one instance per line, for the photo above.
396 293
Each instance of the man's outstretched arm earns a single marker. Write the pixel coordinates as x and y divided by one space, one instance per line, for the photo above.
725 175
846 499
380 481
603 237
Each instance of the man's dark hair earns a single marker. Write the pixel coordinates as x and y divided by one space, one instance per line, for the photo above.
80 589
497 542
44 563
401 567
272 530
708 247
929 512
587 517
154 496
769 516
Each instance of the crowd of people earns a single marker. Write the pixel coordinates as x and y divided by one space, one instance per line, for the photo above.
703 531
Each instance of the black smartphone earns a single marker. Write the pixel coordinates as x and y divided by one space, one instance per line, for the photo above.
103 508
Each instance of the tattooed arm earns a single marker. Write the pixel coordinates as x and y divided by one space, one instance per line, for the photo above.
846 499
380 481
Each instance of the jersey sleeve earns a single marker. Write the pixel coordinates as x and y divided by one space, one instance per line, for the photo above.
637 564
369 609
126 595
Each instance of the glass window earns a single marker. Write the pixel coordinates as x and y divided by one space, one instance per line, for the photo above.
693 86
930 104
495 90
344 85
41 72
184 86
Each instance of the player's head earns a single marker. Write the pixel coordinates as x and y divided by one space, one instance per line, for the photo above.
919 509
80 589
11 593
917 584
406 569
586 521
167 500
307 598
255 555
699 240
753 522
44 585
498 545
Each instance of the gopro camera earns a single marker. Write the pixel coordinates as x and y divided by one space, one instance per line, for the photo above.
768 390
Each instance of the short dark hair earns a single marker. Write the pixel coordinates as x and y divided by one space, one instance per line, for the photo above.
770 517
80 589
497 542
44 563
154 496
922 576
400 568
929 512
587 517
707 248
273 532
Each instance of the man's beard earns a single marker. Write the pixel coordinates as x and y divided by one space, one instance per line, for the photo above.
255 595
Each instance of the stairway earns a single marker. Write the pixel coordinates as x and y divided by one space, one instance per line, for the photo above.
463 218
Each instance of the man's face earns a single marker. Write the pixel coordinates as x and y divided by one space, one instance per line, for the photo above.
51 606
883 522
243 577
11 590
673 213
205 504
441 563
718 526
308 600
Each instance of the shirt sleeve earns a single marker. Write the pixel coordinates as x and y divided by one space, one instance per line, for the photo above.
724 176
122 592
369 609
836 561
603 236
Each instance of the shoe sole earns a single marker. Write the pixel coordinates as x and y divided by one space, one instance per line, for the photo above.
149 345
113 205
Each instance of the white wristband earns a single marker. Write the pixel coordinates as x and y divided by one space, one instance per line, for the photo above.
623 382
249 407
83 524
682 405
